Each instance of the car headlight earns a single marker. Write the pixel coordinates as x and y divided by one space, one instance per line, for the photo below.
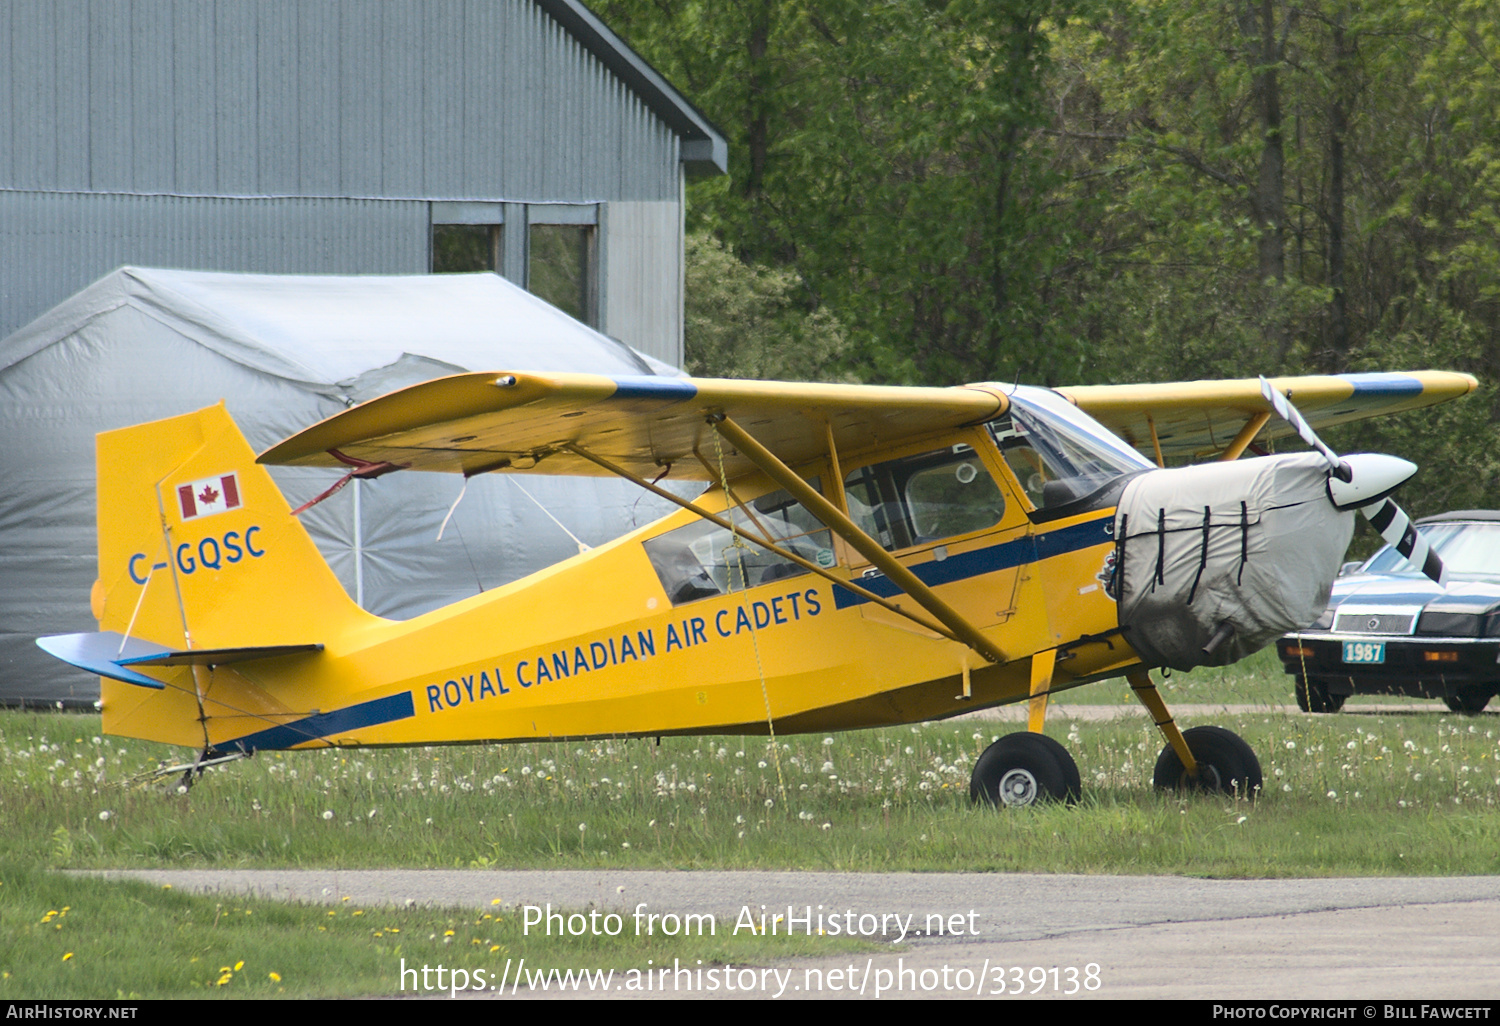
1436 623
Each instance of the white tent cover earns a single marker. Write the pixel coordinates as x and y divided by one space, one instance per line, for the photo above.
283 351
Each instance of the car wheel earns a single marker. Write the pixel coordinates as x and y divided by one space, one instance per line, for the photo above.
1468 701
1313 697
1226 764
1024 769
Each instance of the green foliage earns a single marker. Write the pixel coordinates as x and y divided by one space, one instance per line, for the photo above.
747 320
893 155
1063 191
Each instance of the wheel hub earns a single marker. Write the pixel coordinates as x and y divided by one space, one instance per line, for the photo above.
1018 787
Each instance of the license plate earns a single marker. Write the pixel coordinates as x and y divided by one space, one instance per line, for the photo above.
1364 651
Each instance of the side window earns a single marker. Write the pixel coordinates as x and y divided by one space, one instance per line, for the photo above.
702 560
924 498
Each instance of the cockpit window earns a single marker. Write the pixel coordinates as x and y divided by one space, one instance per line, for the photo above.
1059 453
703 560
924 498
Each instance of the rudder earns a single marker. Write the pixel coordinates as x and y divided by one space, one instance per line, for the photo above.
197 546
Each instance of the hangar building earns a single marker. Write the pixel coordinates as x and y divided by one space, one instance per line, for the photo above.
346 137
282 137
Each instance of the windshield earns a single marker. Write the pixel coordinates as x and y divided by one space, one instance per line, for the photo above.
1469 549
1058 452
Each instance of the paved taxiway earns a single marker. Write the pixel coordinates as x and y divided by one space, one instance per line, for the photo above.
1151 937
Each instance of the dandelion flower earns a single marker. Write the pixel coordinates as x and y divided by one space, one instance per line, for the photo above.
275 977
67 956
327 813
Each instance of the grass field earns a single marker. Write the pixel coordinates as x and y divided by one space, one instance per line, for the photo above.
1410 791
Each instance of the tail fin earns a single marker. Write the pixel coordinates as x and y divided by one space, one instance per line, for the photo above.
198 550
197 547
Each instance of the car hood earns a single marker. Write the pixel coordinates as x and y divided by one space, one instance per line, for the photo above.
1389 591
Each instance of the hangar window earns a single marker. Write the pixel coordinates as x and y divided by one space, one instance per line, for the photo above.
462 248
561 257
702 559
549 249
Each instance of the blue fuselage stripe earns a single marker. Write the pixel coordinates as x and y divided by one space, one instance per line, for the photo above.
1030 549
311 728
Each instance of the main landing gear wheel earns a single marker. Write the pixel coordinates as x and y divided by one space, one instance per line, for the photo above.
1226 764
1314 697
1023 769
1468 701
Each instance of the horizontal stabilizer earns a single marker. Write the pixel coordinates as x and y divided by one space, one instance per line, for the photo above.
217 656
110 654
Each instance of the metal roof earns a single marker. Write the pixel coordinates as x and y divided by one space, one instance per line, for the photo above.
703 145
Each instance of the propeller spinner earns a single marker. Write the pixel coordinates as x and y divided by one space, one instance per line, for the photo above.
1364 481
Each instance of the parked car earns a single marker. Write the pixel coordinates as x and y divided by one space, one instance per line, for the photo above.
1389 630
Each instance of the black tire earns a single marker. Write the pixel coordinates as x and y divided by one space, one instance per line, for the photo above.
1023 769
1468 701
1226 764
1314 697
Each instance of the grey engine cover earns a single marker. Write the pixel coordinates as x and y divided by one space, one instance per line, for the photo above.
1264 566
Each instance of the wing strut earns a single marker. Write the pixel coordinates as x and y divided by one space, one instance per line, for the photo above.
1246 436
764 543
862 543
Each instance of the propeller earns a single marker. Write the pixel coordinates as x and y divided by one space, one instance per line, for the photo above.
1364 481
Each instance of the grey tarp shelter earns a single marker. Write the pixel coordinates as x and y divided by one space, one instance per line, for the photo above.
283 352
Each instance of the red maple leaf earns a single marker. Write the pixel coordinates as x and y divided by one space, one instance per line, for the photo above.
208 496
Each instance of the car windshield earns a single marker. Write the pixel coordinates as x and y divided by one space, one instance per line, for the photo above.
1058 452
1469 549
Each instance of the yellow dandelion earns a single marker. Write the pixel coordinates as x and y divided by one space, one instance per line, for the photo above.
447 933
495 902
275 977
359 911
166 887
494 948
67 956
239 965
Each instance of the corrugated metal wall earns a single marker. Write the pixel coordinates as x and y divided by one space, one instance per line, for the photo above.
53 244
407 99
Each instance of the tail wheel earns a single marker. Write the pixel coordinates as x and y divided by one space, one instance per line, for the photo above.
1023 769
1313 697
1468 701
1226 764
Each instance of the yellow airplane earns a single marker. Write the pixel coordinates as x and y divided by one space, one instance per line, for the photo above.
859 556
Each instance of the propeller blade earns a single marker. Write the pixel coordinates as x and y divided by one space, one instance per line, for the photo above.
1287 412
1399 533
1377 475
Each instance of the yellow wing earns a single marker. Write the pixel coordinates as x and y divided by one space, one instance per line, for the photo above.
473 423
1200 419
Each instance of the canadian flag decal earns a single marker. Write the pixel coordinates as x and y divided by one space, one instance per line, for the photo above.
209 496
